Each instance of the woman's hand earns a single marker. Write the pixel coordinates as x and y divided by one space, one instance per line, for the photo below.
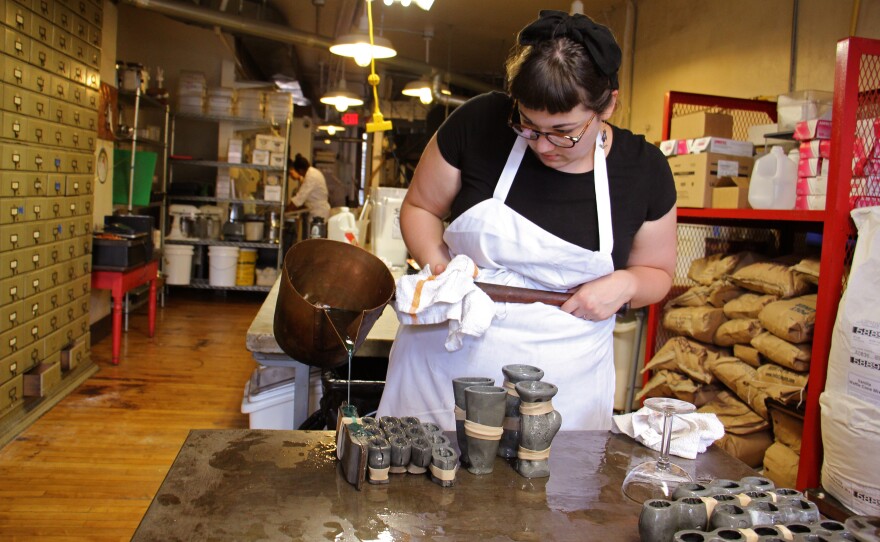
601 298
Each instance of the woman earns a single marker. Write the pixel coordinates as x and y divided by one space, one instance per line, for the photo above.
312 193
541 192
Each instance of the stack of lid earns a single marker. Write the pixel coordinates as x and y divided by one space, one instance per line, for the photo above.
220 101
279 106
250 103
191 92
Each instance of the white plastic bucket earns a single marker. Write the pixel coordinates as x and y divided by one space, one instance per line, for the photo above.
223 262
178 264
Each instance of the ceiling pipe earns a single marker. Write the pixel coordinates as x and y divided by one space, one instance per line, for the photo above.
283 34
444 99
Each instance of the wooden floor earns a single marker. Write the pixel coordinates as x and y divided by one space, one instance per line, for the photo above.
88 469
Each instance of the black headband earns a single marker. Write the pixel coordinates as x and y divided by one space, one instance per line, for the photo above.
597 39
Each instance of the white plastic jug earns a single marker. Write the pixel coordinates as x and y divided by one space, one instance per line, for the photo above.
774 181
343 227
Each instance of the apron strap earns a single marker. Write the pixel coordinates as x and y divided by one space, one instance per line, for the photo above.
509 172
600 175
603 199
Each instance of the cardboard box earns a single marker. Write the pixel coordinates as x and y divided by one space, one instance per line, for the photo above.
812 129
260 157
271 143
272 193
731 193
696 174
721 145
276 159
702 125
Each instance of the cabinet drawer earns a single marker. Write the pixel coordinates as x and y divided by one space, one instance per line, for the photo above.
11 394
42 379
62 40
18 17
42 31
12 237
55 341
10 316
76 354
11 159
12 210
14 126
63 17
78 185
17 44
37 283
12 289
44 8
12 185
42 55
54 298
9 346
37 208
55 184
17 72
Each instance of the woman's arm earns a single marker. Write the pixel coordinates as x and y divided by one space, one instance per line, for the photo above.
428 201
646 279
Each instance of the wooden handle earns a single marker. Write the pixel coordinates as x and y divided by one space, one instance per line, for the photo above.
513 294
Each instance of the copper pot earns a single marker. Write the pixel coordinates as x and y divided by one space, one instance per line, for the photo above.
330 291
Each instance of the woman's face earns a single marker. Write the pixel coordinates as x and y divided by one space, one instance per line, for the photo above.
579 122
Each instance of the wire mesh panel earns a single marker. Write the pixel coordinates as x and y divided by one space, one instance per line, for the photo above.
742 119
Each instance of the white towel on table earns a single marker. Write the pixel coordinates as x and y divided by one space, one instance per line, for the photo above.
450 296
691 433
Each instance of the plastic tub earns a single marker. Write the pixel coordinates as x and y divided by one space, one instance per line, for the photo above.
269 394
253 228
223 262
178 264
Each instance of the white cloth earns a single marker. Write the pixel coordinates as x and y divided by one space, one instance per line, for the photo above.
313 194
452 296
575 354
691 433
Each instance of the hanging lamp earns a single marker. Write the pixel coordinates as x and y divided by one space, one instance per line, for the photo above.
341 98
358 45
421 88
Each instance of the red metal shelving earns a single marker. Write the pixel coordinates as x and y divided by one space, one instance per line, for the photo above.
856 97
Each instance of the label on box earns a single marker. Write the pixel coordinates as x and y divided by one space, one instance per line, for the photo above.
272 193
260 157
812 186
817 148
276 159
721 145
812 167
728 168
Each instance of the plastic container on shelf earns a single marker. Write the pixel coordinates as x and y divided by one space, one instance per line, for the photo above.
194 104
801 105
254 226
279 106
773 184
222 265
220 101
343 227
178 264
246 266
249 104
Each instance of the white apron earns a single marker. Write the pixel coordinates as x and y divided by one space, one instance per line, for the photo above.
575 354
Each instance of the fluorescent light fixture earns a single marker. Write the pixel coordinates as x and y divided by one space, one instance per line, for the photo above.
425 4
341 98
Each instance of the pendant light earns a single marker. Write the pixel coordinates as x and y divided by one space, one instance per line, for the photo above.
421 88
331 129
357 45
341 98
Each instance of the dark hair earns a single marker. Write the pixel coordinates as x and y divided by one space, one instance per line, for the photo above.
557 75
300 163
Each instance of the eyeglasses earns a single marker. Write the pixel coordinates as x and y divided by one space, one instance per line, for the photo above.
531 134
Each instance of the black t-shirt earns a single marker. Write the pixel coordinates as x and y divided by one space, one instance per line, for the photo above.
476 140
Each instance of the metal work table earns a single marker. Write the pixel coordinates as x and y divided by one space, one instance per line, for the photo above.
246 485
263 346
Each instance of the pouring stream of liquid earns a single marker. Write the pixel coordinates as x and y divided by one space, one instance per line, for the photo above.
337 319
